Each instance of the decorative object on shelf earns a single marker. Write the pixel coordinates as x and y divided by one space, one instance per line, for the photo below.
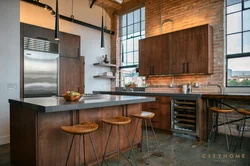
102 34
72 96
105 58
57 22
109 74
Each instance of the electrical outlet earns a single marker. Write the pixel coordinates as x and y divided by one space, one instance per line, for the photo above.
11 86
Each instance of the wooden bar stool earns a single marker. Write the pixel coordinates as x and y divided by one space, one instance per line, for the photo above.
216 112
81 130
118 121
145 116
245 114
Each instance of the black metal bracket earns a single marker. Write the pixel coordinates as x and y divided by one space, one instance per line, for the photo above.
92 3
50 9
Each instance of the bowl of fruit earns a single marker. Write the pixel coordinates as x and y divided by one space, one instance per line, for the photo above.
72 96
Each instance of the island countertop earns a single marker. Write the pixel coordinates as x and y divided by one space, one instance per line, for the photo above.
57 104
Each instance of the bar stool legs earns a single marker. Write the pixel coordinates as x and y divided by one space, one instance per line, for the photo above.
81 130
241 133
93 146
70 150
226 120
118 147
146 132
213 130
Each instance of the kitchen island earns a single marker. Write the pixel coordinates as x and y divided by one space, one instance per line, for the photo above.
36 137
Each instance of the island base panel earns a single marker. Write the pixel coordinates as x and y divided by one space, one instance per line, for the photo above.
36 137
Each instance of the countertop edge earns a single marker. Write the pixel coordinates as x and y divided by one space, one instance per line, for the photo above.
78 106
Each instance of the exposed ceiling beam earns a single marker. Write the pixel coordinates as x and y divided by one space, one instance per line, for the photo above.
109 4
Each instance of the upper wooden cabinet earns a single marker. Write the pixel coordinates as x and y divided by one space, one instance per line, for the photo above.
187 51
69 45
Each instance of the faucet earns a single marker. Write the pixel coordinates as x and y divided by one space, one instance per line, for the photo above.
221 89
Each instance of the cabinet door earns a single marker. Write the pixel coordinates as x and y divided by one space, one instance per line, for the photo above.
32 31
69 74
177 53
69 45
166 63
165 113
157 55
197 51
145 66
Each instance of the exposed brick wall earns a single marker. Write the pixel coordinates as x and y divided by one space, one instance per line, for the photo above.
183 14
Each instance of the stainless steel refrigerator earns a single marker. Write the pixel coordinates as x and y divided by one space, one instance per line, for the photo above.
41 68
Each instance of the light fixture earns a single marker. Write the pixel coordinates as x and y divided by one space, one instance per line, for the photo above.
102 34
57 22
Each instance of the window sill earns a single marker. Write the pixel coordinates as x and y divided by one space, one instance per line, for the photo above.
237 89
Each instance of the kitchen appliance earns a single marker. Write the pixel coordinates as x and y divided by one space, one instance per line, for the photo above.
184 116
41 68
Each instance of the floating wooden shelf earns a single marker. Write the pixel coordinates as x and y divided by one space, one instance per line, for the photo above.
107 77
105 64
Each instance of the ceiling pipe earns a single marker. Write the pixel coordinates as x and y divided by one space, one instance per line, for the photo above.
50 9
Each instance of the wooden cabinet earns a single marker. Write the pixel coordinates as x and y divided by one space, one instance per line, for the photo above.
71 64
145 66
183 52
69 74
69 45
162 109
32 31
152 58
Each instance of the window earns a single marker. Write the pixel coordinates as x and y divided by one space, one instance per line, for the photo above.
238 42
132 29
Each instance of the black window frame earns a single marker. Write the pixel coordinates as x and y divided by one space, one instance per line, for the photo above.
238 55
141 36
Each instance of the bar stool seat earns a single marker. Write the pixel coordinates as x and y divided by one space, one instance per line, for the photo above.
219 110
144 115
119 120
80 129
243 111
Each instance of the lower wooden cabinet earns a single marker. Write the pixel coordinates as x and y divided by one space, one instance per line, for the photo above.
162 109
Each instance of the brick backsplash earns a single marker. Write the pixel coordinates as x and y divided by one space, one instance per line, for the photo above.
179 15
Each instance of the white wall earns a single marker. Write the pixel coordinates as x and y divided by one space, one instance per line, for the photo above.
90 39
9 61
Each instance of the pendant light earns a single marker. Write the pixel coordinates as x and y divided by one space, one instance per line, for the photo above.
57 22
102 34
